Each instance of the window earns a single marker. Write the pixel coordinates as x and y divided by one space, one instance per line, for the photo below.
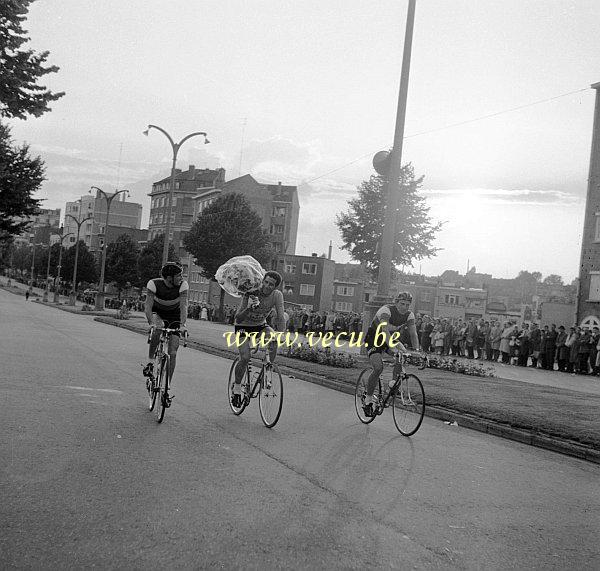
172 217
307 289
72 239
277 228
174 201
426 297
345 290
288 289
451 299
308 268
277 247
343 306
367 297
289 268
594 294
278 210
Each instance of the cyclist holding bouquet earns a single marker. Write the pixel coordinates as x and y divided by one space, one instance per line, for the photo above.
251 317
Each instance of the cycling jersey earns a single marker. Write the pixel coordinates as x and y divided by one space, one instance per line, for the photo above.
167 299
385 314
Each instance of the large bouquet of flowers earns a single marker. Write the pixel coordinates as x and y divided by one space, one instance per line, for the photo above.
239 275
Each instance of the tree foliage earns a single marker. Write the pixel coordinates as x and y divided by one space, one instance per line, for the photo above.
20 176
553 280
21 68
150 259
121 262
362 225
228 227
87 267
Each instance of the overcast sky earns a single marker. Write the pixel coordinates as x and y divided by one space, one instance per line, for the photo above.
290 91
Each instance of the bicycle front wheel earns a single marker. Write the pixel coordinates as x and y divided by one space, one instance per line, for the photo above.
359 396
236 410
408 406
270 396
163 386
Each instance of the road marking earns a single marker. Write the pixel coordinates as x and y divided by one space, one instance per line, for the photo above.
92 389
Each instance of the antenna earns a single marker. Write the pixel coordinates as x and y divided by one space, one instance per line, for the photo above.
245 120
119 167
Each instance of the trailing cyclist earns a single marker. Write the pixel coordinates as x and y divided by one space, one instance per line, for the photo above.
166 306
386 323
250 318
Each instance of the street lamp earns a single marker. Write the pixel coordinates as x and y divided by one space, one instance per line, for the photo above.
46 291
392 167
109 198
79 223
175 147
57 284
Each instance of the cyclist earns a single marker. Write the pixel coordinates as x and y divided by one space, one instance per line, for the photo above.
388 319
166 306
251 317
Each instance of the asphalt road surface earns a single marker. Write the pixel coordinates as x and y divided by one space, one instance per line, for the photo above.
88 478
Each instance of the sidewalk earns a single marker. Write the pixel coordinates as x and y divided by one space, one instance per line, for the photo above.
547 409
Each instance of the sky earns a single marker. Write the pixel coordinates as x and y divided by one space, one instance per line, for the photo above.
499 113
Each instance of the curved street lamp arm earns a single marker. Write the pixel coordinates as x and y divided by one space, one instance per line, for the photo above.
190 136
164 133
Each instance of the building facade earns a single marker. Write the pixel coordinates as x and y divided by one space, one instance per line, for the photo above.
188 185
588 295
92 208
44 223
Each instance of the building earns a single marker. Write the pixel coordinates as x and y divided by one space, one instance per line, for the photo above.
92 208
42 224
588 295
307 280
188 185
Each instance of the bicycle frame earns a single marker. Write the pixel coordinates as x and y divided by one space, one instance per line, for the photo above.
266 363
398 374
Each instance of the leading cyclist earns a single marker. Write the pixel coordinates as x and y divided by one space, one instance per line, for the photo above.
166 306
388 319
251 317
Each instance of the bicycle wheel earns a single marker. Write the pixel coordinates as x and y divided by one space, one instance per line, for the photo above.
151 385
163 385
359 395
270 396
234 409
408 406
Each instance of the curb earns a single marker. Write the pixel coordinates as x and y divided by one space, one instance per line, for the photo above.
532 438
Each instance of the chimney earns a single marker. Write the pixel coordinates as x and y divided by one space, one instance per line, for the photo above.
191 172
330 247
314 255
279 188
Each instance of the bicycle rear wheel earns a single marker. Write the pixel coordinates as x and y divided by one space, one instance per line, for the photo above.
163 385
359 395
151 385
270 396
408 406
236 410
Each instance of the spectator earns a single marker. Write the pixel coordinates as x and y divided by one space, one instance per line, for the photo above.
535 343
551 347
562 351
583 352
495 336
505 342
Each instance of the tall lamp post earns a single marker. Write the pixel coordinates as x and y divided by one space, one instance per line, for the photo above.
57 284
391 168
47 290
175 147
79 223
109 198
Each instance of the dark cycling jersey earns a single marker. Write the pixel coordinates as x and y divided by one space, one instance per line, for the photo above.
388 314
167 299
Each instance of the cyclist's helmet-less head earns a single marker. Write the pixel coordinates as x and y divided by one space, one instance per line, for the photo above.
171 269
404 296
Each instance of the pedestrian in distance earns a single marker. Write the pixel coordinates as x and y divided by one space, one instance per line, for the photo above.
27 295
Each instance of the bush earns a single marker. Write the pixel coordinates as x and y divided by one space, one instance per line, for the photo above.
456 366
321 356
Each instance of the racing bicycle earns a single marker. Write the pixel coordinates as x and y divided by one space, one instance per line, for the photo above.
406 395
265 383
159 382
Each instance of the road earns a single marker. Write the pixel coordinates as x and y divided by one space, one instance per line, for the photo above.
89 478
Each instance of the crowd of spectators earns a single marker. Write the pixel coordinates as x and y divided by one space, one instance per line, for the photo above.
309 321
576 350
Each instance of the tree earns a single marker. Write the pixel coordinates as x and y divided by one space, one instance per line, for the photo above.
20 176
362 226
150 259
87 270
553 280
20 68
121 262
20 95
227 228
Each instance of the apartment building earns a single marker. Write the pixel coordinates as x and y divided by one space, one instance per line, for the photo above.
42 224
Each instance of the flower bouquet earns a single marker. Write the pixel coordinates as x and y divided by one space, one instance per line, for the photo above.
240 275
